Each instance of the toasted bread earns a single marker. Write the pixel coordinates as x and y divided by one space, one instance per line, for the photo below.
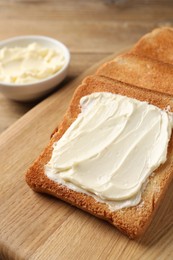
140 71
133 220
157 45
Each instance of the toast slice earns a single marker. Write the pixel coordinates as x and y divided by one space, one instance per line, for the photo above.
156 45
133 220
140 71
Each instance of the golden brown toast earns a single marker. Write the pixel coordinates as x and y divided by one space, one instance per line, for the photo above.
133 220
157 45
140 71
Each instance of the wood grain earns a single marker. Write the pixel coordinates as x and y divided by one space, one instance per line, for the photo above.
35 226
91 30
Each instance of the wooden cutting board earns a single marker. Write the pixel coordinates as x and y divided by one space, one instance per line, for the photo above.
35 226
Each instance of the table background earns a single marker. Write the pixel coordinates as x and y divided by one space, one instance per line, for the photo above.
42 227
92 30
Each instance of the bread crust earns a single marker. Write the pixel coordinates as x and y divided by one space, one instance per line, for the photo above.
131 221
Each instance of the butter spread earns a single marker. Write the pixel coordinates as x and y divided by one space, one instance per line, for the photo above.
29 64
111 148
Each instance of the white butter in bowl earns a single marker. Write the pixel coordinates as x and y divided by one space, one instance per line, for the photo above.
31 66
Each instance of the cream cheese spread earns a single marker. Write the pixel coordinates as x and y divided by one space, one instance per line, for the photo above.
29 64
111 148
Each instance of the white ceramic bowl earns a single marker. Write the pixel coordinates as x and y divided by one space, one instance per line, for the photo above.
31 91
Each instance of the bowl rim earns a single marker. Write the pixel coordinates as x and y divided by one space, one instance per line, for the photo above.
37 37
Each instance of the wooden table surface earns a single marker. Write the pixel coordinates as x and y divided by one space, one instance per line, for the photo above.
91 29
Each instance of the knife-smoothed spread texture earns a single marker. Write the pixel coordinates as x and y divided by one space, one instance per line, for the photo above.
111 148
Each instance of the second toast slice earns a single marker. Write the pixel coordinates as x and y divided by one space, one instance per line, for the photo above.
140 71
